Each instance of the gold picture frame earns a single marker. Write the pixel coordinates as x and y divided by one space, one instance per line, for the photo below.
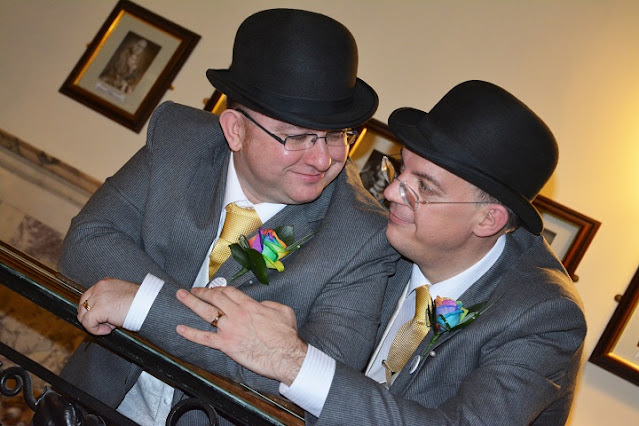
375 140
130 64
216 103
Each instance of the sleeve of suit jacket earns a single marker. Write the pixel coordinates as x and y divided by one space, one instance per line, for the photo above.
111 237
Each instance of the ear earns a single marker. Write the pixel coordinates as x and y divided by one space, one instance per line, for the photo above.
495 218
233 128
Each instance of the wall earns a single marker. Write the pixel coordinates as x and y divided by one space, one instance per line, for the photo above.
573 62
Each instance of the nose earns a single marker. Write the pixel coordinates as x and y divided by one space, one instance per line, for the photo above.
391 193
319 156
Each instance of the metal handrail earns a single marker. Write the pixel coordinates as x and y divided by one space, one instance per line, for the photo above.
52 291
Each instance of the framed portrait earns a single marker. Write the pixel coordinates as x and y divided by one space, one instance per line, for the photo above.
568 232
618 348
130 64
375 140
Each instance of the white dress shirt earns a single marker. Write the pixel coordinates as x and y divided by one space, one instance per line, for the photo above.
149 400
310 388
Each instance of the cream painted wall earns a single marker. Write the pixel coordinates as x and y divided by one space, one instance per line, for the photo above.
576 63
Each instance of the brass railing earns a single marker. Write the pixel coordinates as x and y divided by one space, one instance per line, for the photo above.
50 290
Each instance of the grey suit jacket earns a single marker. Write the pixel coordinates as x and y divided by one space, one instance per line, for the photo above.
160 213
515 365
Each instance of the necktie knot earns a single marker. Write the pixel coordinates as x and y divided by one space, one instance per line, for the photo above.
422 302
238 221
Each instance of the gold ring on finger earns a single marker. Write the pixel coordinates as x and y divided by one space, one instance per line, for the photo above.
219 315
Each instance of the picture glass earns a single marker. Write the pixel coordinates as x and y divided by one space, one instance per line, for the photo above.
627 345
559 233
129 62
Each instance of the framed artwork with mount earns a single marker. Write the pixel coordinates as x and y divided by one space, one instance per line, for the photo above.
130 64
618 348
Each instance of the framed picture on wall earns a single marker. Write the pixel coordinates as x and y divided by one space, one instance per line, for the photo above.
618 348
130 64
375 141
568 232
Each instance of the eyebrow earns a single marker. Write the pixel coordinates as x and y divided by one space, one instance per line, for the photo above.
431 179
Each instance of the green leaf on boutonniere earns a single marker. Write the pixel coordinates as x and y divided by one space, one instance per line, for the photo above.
239 255
257 265
286 234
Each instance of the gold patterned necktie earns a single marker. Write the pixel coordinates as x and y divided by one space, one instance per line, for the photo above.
409 335
238 221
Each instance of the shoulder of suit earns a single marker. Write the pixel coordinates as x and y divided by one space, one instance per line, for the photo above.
354 204
173 121
535 269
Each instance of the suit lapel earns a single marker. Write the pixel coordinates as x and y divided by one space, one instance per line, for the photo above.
305 219
480 293
394 290
198 217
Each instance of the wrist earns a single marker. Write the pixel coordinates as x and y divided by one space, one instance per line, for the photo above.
291 362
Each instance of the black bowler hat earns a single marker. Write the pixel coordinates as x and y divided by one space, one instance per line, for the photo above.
298 67
486 136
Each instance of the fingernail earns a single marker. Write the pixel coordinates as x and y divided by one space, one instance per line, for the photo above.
181 293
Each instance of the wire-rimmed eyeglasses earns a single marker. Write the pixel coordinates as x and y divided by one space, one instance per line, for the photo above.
408 194
333 138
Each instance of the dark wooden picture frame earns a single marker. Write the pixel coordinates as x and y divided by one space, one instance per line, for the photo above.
130 64
618 348
568 232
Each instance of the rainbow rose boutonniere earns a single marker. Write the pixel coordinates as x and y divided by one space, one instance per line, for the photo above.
450 315
265 251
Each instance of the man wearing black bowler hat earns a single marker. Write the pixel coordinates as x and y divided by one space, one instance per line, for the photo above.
277 156
502 342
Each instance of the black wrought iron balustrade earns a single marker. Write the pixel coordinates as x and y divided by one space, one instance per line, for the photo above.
212 394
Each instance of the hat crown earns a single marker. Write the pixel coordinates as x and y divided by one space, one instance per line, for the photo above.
299 67
314 54
502 137
486 136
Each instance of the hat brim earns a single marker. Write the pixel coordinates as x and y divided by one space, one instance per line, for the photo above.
311 114
449 154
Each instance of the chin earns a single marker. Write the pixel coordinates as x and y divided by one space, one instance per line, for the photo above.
307 198
392 234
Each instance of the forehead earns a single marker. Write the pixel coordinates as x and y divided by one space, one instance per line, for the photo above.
426 169
282 126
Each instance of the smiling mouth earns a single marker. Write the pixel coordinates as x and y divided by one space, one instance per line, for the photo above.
311 178
395 218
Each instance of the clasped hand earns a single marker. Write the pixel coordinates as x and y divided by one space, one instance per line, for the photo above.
261 336
104 306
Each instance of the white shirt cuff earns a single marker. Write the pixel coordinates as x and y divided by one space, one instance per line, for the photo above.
144 298
310 388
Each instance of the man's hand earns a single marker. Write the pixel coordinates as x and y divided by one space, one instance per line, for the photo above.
260 336
104 306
